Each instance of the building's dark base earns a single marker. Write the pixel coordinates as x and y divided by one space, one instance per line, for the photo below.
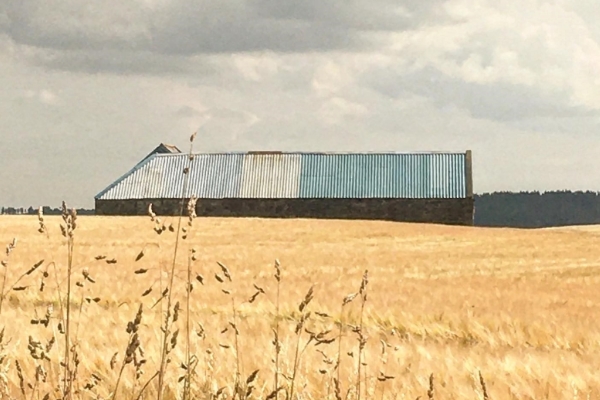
441 211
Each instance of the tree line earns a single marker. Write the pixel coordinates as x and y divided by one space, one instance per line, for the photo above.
46 210
536 209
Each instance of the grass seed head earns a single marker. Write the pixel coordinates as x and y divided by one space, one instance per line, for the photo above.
34 267
151 212
176 312
483 387
20 376
225 271
252 377
40 374
430 392
348 299
364 283
301 323
191 210
274 393
234 328
42 228
338 390
50 344
174 339
200 331
253 298
261 290
140 255
113 361
307 299
277 271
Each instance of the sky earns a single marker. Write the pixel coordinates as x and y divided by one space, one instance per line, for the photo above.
87 89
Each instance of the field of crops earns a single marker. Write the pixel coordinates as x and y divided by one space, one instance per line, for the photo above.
444 312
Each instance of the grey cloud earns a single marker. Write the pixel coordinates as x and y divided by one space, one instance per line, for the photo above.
498 101
121 62
223 29
74 25
198 27
375 15
169 38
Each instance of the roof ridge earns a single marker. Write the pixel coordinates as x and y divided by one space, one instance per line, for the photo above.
253 153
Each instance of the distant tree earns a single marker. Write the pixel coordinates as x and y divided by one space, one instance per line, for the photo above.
535 209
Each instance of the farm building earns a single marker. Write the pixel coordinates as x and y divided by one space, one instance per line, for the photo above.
411 187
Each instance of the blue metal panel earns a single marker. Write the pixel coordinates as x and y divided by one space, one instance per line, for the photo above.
430 175
448 176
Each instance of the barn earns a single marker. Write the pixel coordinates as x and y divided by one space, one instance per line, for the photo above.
429 187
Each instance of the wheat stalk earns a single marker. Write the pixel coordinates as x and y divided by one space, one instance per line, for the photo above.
276 343
163 358
68 229
298 331
361 338
9 249
191 208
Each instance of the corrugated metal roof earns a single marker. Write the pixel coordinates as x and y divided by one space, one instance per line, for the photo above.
295 175
271 176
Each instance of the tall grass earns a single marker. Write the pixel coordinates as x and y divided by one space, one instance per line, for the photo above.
291 336
75 386
169 293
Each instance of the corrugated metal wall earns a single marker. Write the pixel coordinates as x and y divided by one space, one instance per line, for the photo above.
296 175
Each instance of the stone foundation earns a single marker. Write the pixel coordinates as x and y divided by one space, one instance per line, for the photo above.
441 211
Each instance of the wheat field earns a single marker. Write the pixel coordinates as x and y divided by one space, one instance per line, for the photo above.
519 307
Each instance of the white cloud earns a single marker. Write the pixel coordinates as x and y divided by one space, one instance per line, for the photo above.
44 96
338 110
256 68
47 97
331 77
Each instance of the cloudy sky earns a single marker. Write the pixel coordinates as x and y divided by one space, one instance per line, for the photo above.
89 88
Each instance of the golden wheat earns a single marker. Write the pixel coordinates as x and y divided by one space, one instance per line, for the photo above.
518 305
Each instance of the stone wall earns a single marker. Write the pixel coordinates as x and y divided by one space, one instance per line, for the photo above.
442 211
